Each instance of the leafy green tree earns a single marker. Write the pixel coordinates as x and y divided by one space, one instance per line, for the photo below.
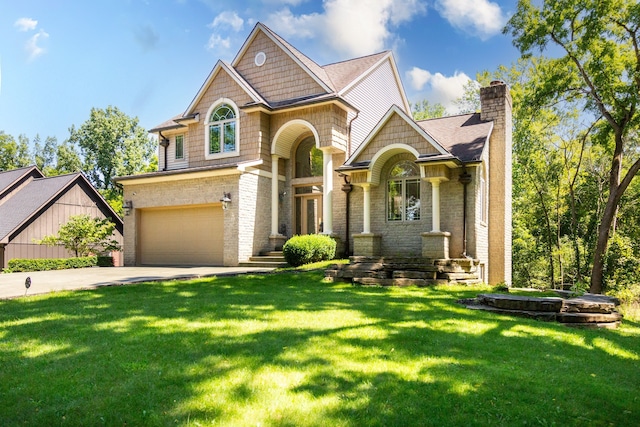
13 154
67 159
112 144
599 68
84 236
424 109
45 155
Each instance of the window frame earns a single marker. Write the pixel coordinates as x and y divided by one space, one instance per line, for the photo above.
222 125
402 183
175 151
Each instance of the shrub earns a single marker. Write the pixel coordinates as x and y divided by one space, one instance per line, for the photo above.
42 264
300 250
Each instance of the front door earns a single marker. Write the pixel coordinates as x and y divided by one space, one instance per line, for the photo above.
309 213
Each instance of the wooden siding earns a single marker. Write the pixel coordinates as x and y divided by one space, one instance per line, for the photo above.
373 96
396 131
222 86
280 78
73 202
172 162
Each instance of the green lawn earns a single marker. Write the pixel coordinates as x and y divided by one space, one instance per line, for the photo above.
289 350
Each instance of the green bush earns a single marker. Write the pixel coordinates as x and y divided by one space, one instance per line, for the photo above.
300 250
42 264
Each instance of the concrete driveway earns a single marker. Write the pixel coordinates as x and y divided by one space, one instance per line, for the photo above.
13 285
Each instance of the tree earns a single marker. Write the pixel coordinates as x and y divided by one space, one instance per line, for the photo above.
426 110
84 236
600 69
13 154
45 155
112 144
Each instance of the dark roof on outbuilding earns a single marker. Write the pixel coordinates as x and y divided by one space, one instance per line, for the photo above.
24 206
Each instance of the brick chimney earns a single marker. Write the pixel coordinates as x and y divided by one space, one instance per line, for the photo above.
495 105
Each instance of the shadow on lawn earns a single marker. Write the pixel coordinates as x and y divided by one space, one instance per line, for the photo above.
178 352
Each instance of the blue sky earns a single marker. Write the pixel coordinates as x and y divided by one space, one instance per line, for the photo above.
58 59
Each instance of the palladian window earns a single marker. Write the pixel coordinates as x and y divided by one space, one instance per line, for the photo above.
403 192
222 131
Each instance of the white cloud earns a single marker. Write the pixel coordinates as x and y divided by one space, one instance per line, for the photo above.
481 18
438 87
225 21
32 46
228 20
26 24
217 42
350 27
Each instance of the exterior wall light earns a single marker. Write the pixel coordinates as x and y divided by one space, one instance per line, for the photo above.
128 207
226 199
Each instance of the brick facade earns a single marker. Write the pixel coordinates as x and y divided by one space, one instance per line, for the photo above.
265 133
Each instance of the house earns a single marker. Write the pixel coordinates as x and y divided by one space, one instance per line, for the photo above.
274 145
32 206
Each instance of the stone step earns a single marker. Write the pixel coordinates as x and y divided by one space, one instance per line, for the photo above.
546 316
272 253
412 274
514 302
459 276
372 281
590 304
267 258
269 264
589 317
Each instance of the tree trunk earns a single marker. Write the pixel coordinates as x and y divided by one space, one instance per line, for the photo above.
608 216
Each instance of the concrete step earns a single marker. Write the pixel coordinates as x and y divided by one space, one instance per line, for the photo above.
267 258
269 264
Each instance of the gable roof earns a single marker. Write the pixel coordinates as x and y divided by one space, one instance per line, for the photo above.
460 138
395 110
23 207
10 180
464 136
311 67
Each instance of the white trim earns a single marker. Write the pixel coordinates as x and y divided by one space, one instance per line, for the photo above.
285 154
222 154
260 59
260 27
396 110
181 176
175 147
221 65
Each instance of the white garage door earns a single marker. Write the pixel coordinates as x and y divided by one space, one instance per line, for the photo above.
182 236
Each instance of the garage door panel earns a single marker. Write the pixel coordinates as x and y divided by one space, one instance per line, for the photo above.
184 236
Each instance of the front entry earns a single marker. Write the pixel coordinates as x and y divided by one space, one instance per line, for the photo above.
309 213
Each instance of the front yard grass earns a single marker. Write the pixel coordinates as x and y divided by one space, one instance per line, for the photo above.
290 350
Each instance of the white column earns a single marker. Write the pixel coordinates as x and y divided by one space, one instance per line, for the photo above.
435 204
327 188
274 194
366 223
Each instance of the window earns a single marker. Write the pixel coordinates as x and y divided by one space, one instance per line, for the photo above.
222 132
403 192
179 154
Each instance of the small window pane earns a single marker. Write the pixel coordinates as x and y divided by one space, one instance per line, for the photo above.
412 194
404 169
223 112
394 202
230 136
180 147
214 139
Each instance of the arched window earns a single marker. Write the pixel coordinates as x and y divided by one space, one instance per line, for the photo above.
403 192
222 131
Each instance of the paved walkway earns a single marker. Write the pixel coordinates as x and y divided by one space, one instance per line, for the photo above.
13 285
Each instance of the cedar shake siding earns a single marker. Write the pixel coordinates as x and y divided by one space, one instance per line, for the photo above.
359 119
